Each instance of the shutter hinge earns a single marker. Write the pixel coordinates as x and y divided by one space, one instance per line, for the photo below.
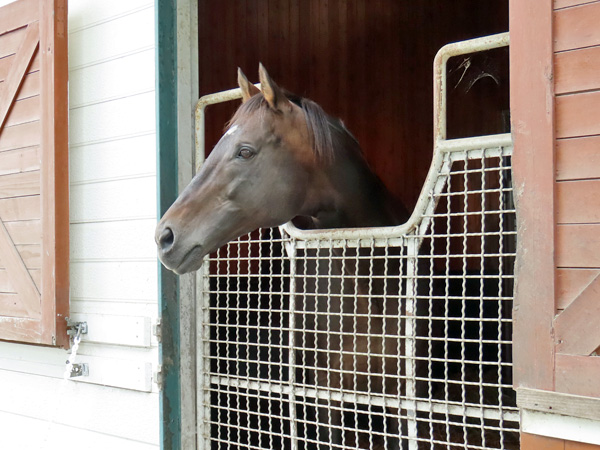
157 330
159 377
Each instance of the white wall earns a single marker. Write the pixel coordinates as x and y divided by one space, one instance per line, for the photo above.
113 257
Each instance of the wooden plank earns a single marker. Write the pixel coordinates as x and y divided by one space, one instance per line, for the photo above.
570 283
23 111
30 86
559 403
114 241
558 4
21 160
531 99
576 334
577 201
20 184
578 375
129 280
113 408
535 442
31 255
132 331
18 70
134 198
21 208
11 305
7 287
17 14
25 232
113 39
103 81
20 329
126 374
578 245
55 173
572 445
6 64
577 114
20 136
578 158
577 27
10 42
577 70
13 262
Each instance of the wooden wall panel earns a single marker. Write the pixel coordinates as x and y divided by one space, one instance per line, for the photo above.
577 63
369 63
576 334
577 70
534 442
570 283
577 114
577 27
577 375
578 201
532 116
558 4
578 159
578 245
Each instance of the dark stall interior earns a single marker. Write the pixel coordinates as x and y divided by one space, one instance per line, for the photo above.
370 64
367 62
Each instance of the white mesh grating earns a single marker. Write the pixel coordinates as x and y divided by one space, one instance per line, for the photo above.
402 341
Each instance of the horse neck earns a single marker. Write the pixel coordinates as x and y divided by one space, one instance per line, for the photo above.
353 195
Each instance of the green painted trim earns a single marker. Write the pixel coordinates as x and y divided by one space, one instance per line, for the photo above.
168 282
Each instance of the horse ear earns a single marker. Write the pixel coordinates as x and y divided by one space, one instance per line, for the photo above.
273 93
248 89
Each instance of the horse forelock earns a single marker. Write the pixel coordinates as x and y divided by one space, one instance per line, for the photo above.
319 124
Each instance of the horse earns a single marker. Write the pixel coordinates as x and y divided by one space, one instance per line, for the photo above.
281 159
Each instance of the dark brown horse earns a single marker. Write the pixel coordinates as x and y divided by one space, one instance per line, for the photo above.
282 159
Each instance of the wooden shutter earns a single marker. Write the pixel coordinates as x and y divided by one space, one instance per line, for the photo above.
555 106
34 190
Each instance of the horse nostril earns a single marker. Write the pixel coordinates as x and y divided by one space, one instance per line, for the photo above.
166 238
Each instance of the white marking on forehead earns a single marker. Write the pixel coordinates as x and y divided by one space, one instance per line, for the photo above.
232 130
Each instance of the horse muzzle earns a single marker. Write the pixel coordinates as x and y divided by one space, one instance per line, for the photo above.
174 256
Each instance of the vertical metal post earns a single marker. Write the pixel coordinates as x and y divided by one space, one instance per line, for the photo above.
203 360
167 185
411 296
291 250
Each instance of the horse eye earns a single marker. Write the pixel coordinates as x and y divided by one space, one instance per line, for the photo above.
245 153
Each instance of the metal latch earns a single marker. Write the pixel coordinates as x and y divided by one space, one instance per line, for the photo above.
75 330
79 370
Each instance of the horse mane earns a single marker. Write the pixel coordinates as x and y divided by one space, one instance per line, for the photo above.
320 125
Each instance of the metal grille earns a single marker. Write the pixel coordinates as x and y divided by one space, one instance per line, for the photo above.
380 338
361 341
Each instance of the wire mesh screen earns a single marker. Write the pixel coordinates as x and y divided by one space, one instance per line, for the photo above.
376 343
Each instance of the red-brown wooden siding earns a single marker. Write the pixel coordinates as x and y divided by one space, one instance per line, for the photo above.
34 250
577 88
533 442
557 177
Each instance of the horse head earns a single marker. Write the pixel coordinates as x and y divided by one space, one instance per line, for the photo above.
258 175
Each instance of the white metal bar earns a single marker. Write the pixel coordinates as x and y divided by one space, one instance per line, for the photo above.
439 73
203 102
410 324
500 141
437 406
292 344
